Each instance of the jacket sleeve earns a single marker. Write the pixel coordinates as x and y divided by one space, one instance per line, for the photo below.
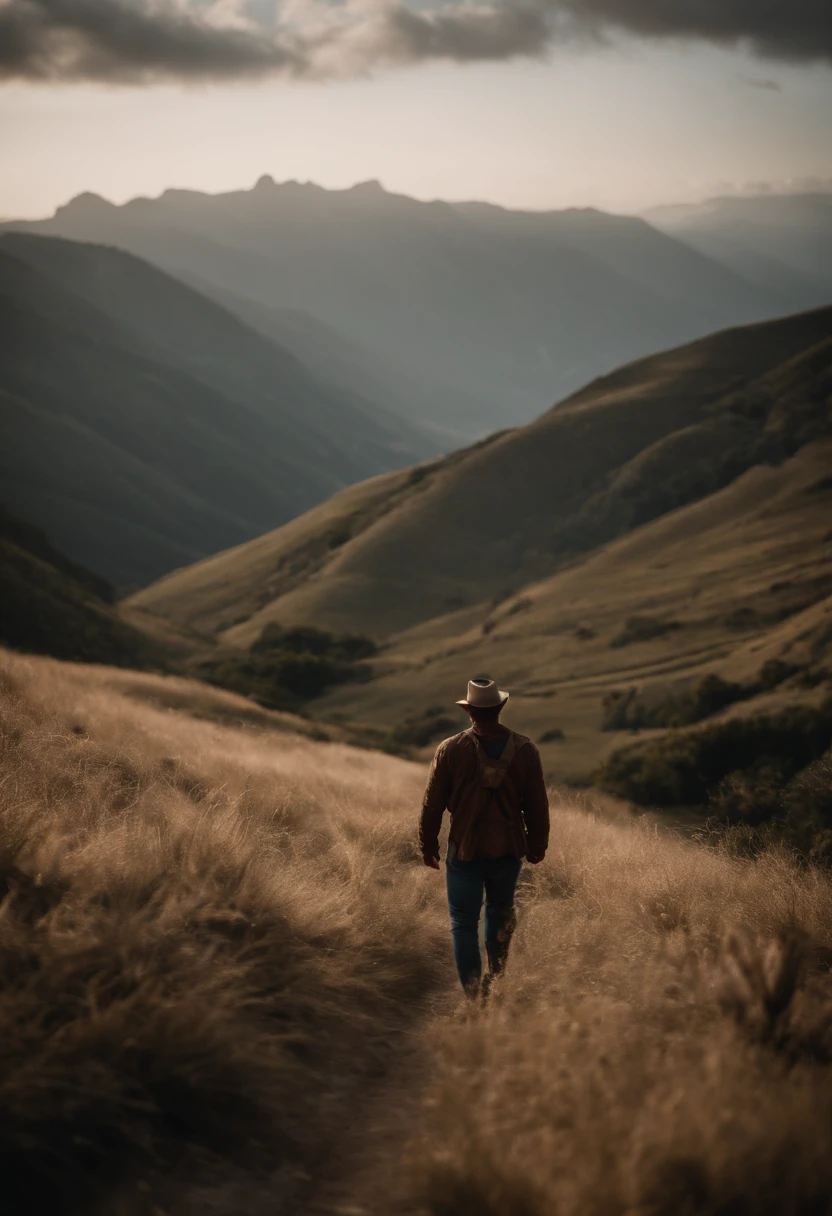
437 792
535 802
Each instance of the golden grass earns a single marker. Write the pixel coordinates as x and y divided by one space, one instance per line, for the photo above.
661 1046
215 939
209 935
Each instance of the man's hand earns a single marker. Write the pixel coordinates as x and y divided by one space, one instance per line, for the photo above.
534 858
432 862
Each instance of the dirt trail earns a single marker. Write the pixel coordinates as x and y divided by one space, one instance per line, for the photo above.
363 1175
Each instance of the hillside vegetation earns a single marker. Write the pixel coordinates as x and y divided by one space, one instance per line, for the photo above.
202 957
143 426
652 437
654 553
464 316
227 988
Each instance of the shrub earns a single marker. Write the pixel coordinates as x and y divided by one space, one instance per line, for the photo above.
685 768
642 629
307 639
553 735
742 618
308 675
281 680
774 672
418 730
630 711
287 667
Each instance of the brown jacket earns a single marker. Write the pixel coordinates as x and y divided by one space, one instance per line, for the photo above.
455 783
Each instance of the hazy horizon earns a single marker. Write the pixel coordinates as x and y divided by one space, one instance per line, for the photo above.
747 190
620 123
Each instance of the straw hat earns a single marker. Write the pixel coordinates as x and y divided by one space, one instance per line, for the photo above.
483 694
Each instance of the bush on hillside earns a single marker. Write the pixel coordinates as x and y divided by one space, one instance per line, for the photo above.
775 672
751 811
685 768
282 680
630 711
287 667
307 639
418 730
642 629
742 618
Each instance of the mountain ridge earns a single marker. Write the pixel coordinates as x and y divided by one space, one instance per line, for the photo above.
628 447
474 317
113 372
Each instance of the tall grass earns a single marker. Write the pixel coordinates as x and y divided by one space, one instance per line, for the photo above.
215 939
207 937
661 1045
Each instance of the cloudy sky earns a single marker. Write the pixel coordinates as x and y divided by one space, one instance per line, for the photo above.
615 103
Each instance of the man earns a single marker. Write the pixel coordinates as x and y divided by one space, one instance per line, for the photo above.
491 781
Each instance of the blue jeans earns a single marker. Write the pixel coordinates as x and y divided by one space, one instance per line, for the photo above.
467 881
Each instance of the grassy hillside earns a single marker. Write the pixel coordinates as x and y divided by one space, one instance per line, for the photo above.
144 426
476 317
227 987
719 587
484 522
54 606
668 526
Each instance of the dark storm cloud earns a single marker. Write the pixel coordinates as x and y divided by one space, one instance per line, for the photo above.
464 35
777 29
123 40
135 40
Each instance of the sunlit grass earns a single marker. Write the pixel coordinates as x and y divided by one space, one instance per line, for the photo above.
212 938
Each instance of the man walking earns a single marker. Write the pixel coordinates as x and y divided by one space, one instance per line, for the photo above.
491 781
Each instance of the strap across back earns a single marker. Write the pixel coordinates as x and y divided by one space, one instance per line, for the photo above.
492 772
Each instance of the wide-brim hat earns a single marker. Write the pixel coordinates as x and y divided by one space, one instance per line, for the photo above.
483 694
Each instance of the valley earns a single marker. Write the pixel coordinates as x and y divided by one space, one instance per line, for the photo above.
462 318
415 608
143 426
527 555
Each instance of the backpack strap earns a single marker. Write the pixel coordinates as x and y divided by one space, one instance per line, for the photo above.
492 771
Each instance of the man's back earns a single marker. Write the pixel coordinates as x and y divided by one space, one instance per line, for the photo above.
491 781
511 819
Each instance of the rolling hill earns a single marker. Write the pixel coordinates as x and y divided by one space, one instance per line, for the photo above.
51 605
483 522
145 426
687 494
466 317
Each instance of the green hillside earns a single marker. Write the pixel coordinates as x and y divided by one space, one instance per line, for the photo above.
482 523
668 525
144 427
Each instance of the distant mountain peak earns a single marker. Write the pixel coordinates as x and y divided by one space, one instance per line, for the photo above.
370 187
85 204
265 182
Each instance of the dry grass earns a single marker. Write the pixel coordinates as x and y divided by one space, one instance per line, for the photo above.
214 940
209 936
661 1047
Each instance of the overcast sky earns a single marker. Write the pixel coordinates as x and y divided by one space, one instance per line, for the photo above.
543 104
